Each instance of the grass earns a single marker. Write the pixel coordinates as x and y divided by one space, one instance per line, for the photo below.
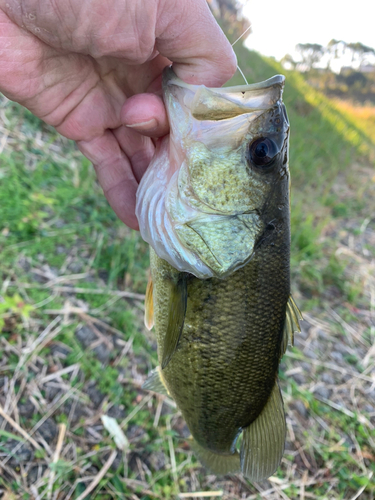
73 346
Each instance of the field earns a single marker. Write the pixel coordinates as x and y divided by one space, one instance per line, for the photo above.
73 347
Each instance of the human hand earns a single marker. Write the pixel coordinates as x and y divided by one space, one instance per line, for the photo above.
92 69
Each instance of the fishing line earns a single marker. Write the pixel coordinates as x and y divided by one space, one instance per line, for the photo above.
243 76
239 38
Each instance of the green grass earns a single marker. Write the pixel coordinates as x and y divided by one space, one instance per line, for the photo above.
62 247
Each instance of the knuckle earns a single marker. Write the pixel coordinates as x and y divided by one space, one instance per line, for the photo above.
130 48
133 46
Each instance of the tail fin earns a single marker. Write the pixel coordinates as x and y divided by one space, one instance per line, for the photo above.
263 441
217 463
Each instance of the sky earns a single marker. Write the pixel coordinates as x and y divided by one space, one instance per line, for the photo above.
278 25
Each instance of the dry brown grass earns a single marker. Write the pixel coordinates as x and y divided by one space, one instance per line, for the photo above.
53 444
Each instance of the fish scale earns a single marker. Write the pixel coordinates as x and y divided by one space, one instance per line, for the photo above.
245 336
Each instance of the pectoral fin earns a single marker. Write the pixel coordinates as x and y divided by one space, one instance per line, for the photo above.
176 317
292 318
155 383
263 441
149 305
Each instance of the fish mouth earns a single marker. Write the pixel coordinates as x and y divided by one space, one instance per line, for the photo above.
221 103
270 82
170 78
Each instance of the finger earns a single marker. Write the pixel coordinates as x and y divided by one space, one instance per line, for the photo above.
86 116
146 114
115 175
188 35
138 149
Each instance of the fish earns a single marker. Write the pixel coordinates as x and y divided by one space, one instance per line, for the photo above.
214 207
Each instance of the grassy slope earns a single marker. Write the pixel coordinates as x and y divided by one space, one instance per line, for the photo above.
58 235
332 152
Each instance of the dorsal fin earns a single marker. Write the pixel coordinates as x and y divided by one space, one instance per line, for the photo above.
292 318
155 382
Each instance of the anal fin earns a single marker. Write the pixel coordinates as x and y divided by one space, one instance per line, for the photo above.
264 439
155 383
216 463
176 317
292 318
149 305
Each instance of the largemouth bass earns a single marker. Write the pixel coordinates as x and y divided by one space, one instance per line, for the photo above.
214 206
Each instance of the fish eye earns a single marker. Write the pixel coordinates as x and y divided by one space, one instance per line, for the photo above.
263 151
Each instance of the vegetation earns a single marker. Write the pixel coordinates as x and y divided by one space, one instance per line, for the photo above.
229 15
348 85
314 53
73 346
354 83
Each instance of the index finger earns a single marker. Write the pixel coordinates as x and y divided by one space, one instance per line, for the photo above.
188 34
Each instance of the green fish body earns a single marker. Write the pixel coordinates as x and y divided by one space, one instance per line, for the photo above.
214 206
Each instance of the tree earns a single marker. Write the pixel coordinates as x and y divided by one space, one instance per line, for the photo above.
230 17
311 53
359 52
334 50
288 62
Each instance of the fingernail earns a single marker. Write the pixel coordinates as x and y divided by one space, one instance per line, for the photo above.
148 125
